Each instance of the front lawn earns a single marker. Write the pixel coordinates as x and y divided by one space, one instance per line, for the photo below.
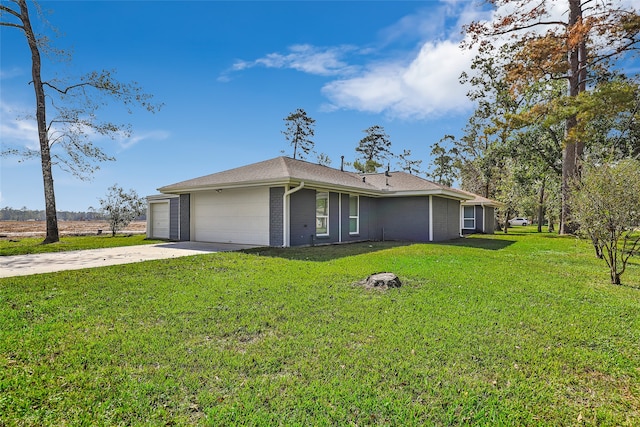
33 245
516 329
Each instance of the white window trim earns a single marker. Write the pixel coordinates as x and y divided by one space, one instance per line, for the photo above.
356 216
323 216
464 218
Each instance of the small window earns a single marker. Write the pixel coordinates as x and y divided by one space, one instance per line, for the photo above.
469 218
322 214
354 214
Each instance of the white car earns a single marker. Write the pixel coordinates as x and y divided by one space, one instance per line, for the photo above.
518 221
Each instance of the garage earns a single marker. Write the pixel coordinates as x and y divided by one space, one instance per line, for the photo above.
231 216
159 221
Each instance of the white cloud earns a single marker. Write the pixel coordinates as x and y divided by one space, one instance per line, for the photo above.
422 83
324 61
11 73
428 86
424 24
126 143
16 128
419 84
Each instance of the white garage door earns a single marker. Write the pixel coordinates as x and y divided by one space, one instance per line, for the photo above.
231 216
160 220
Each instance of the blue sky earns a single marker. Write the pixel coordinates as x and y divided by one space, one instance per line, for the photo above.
229 72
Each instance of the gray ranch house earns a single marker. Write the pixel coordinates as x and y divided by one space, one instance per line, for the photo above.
284 202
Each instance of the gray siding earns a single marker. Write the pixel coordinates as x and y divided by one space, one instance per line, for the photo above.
302 217
400 218
404 218
174 218
446 219
489 220
275 216
368 229
185 218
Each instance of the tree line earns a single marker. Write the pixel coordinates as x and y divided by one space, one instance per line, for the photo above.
556 129
373 150
11 214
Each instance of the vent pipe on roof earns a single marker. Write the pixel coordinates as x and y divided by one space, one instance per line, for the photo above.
341 163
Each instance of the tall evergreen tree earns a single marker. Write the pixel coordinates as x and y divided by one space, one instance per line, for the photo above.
374 149
408 164
443 162
299 131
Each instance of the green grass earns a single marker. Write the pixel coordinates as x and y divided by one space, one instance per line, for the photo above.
517 329
33 245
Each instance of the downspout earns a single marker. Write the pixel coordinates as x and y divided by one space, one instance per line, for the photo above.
178 219
461 213
484 220
339 217
285 214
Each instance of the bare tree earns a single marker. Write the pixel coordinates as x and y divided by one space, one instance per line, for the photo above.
121 207
62 135
606 202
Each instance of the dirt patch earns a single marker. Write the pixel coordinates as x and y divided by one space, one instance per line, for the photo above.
9 229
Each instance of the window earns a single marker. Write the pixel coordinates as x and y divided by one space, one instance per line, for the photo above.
469 217
354 214
322 214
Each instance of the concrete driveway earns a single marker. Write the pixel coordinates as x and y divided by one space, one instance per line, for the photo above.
24 265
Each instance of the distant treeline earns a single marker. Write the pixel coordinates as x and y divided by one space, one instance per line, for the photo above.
24 214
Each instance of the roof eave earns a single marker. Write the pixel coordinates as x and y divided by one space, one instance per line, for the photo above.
170 189
373 192
262 183
436 192
490 204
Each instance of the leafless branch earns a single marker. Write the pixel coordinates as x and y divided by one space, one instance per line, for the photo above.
11 12
67 89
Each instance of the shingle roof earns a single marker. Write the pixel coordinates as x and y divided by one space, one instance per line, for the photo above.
278 170
401 181
479 200
285 170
